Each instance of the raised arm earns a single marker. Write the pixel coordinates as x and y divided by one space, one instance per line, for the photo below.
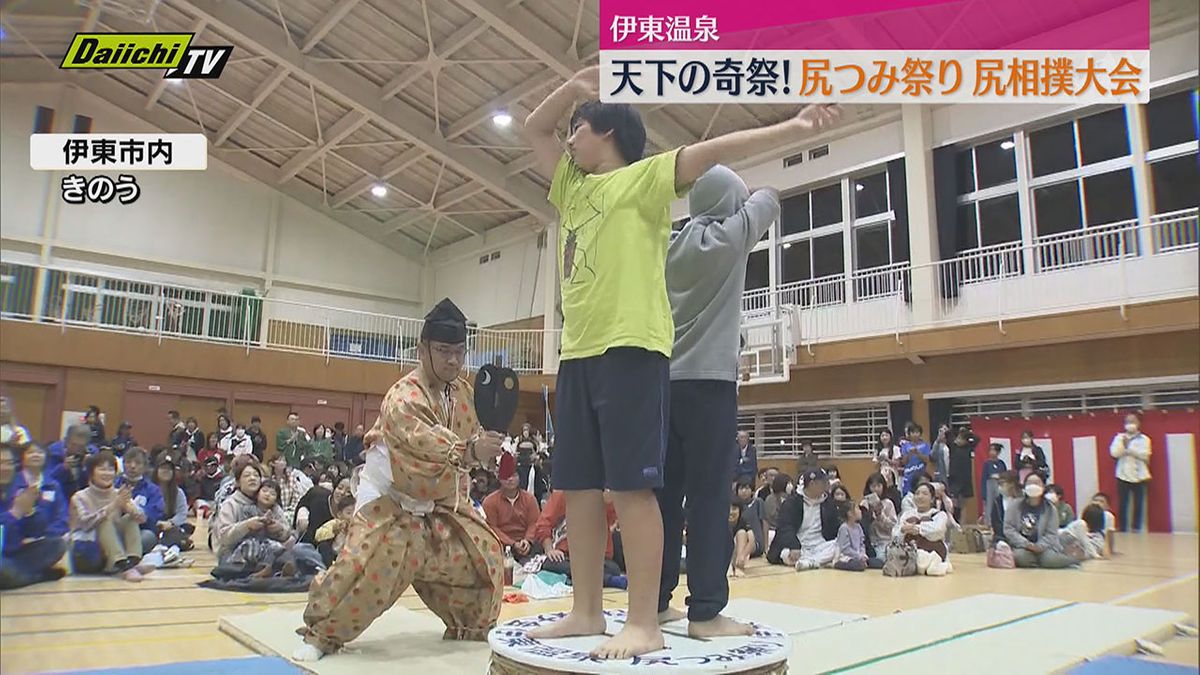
540 125
694 160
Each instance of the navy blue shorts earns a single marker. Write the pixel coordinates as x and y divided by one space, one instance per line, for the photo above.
611 430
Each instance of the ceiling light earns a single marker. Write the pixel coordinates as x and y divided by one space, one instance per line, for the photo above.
1007 145
502 119
379 190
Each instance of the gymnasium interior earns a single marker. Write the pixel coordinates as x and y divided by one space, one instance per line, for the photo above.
1003 267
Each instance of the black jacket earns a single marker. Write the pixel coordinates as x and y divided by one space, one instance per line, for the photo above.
791 516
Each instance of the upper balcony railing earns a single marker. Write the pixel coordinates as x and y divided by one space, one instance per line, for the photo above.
1106 266
168 311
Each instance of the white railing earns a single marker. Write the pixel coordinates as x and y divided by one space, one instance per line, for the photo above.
165 311
1108 266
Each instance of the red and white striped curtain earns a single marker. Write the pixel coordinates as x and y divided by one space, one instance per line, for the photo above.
1077 446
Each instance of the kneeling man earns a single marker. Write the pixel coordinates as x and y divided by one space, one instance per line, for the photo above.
414 521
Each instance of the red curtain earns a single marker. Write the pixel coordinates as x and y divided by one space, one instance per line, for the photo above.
1061 430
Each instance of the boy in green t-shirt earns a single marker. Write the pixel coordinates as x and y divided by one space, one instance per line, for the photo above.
613 380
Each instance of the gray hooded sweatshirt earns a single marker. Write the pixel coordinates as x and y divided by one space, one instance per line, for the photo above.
706 273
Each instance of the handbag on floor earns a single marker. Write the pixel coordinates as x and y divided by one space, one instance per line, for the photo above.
900 560
1001 557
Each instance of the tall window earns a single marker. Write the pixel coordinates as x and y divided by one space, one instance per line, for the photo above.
812 226
988 207
1171 150
1081 174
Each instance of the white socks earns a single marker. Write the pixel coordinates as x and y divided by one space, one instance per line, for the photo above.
307 652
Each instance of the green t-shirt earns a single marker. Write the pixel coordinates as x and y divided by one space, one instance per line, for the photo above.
612 247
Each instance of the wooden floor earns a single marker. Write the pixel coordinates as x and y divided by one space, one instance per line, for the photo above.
92 622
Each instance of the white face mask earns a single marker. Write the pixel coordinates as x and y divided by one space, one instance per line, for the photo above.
1052 498
1034 490
1131 428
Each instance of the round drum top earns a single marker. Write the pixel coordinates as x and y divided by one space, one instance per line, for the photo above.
765 648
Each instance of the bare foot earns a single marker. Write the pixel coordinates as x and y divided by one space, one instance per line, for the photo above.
569 626
718 626
630 642
671 614
791 558
131 575
145 568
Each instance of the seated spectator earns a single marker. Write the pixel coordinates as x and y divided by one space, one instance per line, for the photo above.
1031 529
781 487
33 518
253 531
294 487
808 527
551 531
239 442
105 524
1008 492
766 478
879 515
944 503
174 528
322 444
238 513
225 490
908 503
744 539
839 494
834 477
513 513
123 440
318 506
92 419
12 434
1110 521
854 550
212 449
77 442
145 494
1058 497
352 448
194 439
331 536
1089 532
224 434
924 526
69 472
208 478
752 515
481 486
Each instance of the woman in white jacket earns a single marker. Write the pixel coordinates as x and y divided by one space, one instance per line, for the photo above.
925 526
1131 449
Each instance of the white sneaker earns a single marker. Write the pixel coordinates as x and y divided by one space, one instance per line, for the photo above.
804 565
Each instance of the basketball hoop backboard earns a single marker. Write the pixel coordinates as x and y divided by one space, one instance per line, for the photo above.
767 352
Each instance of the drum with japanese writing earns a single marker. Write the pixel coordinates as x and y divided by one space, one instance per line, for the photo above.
515 653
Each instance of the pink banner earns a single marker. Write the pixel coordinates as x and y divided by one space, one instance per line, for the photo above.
875 24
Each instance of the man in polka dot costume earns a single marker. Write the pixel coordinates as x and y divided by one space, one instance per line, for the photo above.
414 522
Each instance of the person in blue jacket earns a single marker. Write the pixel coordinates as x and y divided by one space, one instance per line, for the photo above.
146 495
33 519
76 442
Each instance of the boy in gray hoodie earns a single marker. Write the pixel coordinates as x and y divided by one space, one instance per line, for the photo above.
706 275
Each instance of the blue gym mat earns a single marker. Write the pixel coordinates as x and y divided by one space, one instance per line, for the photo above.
250 665
1128 665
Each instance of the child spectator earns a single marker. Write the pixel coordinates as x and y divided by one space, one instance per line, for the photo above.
804 540
752 513
1007 494
839 494
1057 496
834 479
888 458
33 518
240 443
916 457
988 485
1110 521
104 522
781 486
331 536
852 544
1089 531
744 539
174 528
879 514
